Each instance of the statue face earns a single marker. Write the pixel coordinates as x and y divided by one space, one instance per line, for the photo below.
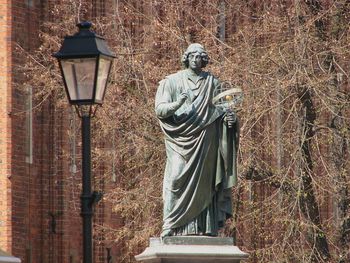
195 61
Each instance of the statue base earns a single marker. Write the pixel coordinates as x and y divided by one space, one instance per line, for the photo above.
192 249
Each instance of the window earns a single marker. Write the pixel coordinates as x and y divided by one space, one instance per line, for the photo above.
29 126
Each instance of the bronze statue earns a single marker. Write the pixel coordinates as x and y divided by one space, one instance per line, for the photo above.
201 142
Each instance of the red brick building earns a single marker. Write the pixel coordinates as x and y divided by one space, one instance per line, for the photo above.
39 182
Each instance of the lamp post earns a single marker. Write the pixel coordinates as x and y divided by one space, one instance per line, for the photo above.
85 62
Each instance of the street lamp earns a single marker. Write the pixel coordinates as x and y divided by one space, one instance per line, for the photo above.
85 62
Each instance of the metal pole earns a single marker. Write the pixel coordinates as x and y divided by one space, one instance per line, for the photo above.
229 150
229 147
86 197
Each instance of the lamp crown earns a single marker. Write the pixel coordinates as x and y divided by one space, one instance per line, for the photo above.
85 25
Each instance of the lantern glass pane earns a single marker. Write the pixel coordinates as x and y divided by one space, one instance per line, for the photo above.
103 70
79 75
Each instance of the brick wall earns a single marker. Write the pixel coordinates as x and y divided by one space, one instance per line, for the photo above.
39 198
39 191
26 173
5 142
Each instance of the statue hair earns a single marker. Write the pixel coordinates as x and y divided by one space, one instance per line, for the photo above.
204 56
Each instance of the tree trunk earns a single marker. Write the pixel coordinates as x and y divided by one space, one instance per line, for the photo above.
338 124
308 202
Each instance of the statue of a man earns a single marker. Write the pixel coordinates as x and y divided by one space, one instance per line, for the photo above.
197 181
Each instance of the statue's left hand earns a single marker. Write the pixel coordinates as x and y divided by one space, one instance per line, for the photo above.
230 118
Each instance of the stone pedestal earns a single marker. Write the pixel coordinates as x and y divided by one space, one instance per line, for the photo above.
192 249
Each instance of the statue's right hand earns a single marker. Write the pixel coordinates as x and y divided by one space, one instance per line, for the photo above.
182 98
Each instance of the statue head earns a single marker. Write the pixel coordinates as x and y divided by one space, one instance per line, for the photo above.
193 48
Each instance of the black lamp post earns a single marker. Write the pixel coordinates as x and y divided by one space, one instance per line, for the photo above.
85 62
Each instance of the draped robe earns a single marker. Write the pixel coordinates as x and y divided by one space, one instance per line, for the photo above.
197 187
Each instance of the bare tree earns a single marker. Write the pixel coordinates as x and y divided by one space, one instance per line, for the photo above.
290 58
